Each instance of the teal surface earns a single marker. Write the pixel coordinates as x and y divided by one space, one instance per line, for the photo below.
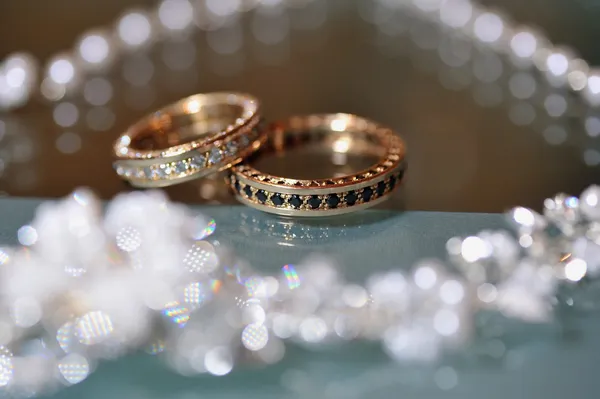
512 360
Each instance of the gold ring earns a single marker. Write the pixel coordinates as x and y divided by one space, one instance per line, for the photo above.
192 138
344 134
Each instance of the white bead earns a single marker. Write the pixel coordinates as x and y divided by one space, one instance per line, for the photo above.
590 203
474 248
176 15
526 219
223 8
456 13
576 269
591 91
488 27
94 49
590 252
412 343
74 368
18 76
61 70
134 29
524 44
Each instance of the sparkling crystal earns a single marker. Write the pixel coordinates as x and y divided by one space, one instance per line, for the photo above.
74 368
412 343
198 161
177 313
163 171
590 203
148 172
6 366
526 220
255 336
231 148
564 211
215 156
180 167
589 251
94 327
244 141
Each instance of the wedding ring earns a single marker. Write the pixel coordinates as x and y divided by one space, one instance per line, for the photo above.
192 138
343 134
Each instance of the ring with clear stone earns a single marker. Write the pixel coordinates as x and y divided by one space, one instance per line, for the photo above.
347 136
192 138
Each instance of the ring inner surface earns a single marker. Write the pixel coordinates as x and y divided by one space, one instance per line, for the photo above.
318 154
165 130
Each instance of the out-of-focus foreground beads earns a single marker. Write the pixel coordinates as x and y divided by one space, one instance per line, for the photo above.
84 287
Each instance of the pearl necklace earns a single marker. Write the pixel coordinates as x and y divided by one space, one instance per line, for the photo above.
22 77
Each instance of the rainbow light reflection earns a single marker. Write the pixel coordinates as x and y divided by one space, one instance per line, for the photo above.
177 313
291 276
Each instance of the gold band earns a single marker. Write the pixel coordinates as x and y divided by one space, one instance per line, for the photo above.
323 197
192 138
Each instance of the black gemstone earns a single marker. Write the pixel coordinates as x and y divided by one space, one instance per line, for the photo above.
314 202
295 201
351 198
248 191
367 194
401 174
380 188
237 186
277 200
392 182
262 197
333 200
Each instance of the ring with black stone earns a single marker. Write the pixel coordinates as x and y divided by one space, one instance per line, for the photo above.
322 197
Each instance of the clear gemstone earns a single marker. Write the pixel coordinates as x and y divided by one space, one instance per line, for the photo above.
231 148
590 203
244 141
563 210
215 156
140 173
120 170
166 170
147 172
180 167
157 173
198 161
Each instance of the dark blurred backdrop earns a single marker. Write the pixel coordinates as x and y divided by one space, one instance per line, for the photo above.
468 148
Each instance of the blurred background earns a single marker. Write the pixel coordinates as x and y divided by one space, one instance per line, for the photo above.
483 134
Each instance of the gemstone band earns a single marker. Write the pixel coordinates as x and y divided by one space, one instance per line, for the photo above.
221 130
323 197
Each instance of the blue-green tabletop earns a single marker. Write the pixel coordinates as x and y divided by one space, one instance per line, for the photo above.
559 360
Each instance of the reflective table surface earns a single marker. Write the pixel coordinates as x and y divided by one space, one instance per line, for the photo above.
507 360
